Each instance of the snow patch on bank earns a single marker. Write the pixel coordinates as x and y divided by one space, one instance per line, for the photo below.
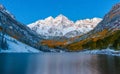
15 46
107 51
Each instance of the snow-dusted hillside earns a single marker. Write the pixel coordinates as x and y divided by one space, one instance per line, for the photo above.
14 36
11 27
62 26
16 46
3 9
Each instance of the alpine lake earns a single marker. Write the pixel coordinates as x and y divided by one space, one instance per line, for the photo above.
58 63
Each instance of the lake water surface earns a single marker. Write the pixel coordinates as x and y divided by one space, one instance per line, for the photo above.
59 63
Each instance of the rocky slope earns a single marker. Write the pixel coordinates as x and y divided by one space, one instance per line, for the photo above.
106 34
11 27
62 26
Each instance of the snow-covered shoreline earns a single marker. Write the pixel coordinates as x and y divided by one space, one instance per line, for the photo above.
15 46
107 51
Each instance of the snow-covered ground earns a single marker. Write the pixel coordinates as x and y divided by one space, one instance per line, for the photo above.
15 46
107 51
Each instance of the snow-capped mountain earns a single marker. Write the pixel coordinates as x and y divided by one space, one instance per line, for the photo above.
62 26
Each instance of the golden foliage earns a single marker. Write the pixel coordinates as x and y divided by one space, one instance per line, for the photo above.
94 37
77 45
53 43
103 33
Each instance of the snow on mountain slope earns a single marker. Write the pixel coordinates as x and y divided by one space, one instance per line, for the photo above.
13 28
62 26
3 9
16 46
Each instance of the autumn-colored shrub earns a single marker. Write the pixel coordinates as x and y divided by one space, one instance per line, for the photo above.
53 43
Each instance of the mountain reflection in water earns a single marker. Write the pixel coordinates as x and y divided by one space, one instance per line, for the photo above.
59 63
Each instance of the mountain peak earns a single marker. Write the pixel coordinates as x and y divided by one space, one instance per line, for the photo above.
2 7
115 7
49 18
61 17
113 13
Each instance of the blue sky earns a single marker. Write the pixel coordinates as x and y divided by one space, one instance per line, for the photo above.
28 11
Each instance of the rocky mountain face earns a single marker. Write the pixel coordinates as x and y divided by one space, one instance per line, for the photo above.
62 26
105 34
9 26
111 20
